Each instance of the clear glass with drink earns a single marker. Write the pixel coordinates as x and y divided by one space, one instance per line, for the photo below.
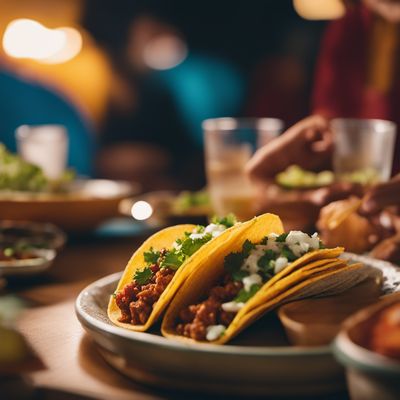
45 146
229 144
364 149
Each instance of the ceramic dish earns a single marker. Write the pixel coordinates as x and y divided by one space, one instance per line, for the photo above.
259 362
86 204
31 266
370 375
35 234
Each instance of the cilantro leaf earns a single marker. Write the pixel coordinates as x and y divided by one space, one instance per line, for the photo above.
239 275
281 238
247 247
229 220
173 259
265 261
233 262
190 246
151 256
243 296
286 252
141 277
199 229
321 245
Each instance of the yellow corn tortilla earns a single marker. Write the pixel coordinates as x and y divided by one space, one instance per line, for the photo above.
209 272
321 284
204 256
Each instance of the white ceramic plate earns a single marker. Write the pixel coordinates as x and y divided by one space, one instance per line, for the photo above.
259 362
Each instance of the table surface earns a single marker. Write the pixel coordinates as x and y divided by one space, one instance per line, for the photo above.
72 366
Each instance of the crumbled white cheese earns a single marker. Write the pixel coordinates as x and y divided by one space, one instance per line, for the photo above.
250 263
214 332
271 243
249 281
232 306
280 264
300 243
215 229
197 236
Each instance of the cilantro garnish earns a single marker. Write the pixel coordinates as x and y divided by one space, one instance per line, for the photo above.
239 275
190 246
141 277
229 220
286 252
281 238
243 296
173 259
267 261
234 261
247 247
151 256
321 245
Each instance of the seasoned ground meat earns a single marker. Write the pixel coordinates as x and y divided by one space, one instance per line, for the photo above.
194 319
136 301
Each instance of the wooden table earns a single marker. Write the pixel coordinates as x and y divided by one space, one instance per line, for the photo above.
72 367
72 364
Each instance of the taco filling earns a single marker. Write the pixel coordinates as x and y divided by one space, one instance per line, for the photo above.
245 273
137 298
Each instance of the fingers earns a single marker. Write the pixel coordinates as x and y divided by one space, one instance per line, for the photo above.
381 196
286 149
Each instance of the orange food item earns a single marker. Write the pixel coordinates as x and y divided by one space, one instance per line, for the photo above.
355 232
385 338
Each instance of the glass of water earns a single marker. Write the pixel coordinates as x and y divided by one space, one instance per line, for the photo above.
229 145
45 146
364 149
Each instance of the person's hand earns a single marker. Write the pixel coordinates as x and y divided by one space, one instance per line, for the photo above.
308 144
381 196
387 9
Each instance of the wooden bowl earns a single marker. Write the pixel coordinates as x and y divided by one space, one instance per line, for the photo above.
86 205
370 375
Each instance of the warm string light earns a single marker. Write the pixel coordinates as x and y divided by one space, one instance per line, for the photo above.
26 38
319 9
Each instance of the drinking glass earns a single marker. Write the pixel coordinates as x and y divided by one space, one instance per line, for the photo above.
364 149
229 144
44 145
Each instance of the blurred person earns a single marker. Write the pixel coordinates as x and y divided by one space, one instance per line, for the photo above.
152 130
357 71
25 101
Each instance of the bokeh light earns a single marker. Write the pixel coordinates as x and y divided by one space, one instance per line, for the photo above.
26 38
165 52
141 210
319 10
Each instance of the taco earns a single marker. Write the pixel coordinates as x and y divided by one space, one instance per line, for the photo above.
162 263
263 270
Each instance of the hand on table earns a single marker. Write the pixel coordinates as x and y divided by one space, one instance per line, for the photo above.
308 144
381 196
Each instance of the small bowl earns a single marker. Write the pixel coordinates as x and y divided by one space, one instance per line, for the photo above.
370 375
36 234
31 266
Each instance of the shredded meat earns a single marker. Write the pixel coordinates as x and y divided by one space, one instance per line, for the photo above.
196 318
136 301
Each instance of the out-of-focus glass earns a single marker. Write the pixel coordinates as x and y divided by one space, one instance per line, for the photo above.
364 149
45 146
229 144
